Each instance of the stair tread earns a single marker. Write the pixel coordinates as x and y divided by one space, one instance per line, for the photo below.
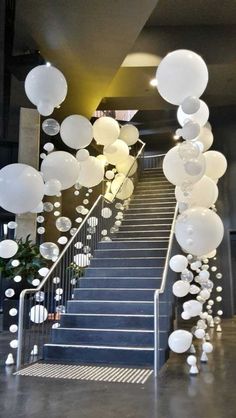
110 347
111 314
108 329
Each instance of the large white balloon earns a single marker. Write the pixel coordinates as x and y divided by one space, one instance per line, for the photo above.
106 130
199 230
46 88
174 170
122 187
62 166
129 133
180 341
200 117
116 152
216 164
203 193
128 166
178 263
181 288
76 131
205 138
91 172
21 188
181 74
8 248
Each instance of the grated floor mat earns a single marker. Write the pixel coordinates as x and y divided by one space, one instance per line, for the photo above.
92 373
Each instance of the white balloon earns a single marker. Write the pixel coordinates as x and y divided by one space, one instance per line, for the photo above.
12 225
76 131
21 188
38 314
122 187
51 127
8 248
105 130
46 88
190 130
190 105
207 347
52 187
216 164
178 263
180 341
173 167
181 74
199 333
210 255
110 174
180 288
49 250
116 152
203 193
128 166
193 307
200 117
82 260
129 133
207 230
106 213
205 138
91 172
82 155
62 166
185 315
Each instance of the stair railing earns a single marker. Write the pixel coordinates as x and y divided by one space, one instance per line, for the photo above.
164 292
153 161
40 308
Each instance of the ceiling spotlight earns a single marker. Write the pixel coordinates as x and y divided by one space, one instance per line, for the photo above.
153 82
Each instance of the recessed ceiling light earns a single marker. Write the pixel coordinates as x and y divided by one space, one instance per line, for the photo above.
153 82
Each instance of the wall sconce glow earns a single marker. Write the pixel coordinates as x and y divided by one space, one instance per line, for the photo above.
153 82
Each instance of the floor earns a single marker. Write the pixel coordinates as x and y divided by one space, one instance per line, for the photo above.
175 394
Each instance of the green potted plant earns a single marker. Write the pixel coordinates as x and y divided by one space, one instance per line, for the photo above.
29 261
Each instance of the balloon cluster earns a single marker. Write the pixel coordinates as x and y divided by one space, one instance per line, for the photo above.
182 77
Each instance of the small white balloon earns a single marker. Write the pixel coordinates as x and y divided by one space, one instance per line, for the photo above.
116 152
13 328
12 225
52 187
8 248
180 341
216 164
43 271
200 116
9 293
190 130
62 166
190 105
180 288
49 250
38 314
82 155
178 263
14 344
51 127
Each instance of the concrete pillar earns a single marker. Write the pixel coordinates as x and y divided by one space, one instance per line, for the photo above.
29 144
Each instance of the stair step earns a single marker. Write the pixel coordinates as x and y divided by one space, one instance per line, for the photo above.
129 252
114 321
145 221
120 282
137 211
84 354
132 244
128 262
137 238
115 307
149 226
155 233
111 321
114 294
159 215
107 337
123 271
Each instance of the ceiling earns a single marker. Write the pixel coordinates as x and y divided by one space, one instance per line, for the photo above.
109 51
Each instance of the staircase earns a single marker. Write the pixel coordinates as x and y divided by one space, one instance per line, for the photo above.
111 318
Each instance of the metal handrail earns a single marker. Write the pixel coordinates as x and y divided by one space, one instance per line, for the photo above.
154 155
56 263
160 291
